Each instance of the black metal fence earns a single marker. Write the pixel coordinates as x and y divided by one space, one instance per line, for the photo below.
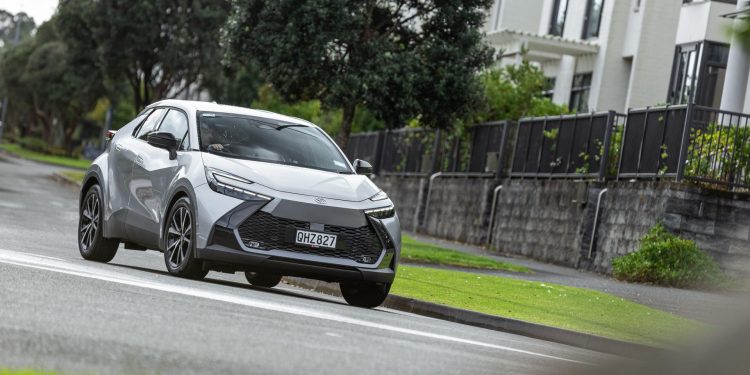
717 148
569 146
652 141
701 144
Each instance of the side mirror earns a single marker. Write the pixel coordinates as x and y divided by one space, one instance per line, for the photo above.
362 167
166 141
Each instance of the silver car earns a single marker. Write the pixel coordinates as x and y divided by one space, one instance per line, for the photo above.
231 189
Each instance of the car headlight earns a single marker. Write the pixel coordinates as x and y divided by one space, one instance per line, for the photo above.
226 183
381 213
381 195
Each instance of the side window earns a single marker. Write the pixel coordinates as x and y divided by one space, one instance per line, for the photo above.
176 123
139 120
150 124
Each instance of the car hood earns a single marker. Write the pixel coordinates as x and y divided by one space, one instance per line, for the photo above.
296 180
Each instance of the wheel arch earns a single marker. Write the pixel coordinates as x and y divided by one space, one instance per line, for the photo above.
181 189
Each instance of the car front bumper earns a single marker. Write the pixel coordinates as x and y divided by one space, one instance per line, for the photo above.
255 236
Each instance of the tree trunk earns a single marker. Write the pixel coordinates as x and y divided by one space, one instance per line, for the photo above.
346 126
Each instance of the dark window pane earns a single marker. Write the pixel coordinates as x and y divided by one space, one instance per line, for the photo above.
579 94
176 123
593 19
557 21
150 124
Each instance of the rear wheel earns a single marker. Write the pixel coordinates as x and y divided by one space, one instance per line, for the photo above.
179 253
91 243
265 280
363 294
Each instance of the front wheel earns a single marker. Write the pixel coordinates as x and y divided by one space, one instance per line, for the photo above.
179 242
91 241
366 295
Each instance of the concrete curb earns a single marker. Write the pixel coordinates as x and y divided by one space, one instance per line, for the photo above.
518 327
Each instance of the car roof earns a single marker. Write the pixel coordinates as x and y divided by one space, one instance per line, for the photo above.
193 105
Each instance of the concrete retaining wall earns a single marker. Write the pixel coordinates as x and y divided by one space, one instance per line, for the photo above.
552 220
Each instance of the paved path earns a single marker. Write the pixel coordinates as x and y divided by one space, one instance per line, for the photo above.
59 312
701 305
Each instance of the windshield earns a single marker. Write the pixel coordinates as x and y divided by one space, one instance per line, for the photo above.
270 141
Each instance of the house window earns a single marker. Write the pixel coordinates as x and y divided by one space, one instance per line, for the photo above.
549 87
557 21
579 94
684 74
593 19
698 74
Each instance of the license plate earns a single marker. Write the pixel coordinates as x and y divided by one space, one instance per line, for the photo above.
315 239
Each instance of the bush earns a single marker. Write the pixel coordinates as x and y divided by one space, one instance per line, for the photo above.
34 144
666 259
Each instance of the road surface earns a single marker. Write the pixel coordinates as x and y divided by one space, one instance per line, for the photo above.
59 312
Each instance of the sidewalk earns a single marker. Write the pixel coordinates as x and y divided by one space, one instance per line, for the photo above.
705 306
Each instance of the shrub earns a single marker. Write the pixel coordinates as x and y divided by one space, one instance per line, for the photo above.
34 144
666 259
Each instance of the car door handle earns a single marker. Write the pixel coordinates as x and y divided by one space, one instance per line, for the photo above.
118 147
139 160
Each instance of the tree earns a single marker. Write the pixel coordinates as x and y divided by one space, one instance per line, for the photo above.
160 47
15 27
400 58
513 92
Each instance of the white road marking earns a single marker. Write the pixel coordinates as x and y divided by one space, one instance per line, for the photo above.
56 265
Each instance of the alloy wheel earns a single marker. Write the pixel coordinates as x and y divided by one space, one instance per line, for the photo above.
89 221
179 237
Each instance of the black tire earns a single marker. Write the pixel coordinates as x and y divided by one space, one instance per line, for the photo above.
265 280
367 295
91 243
179 242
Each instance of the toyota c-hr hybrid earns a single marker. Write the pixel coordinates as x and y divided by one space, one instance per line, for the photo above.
231 189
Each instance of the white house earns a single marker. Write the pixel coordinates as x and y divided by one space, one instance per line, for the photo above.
620 54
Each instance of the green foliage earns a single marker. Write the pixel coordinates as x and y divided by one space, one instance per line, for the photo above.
513 92
666 259
159 47
719 152
313 111
398 59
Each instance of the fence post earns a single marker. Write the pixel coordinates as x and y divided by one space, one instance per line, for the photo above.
604 161
435 151
501 151
661 142
685 141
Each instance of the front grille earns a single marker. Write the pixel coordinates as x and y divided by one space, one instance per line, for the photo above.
267 232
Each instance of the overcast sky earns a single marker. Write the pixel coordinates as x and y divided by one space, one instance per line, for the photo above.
40 10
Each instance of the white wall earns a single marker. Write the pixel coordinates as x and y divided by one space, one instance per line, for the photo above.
702 21
609 86
652 63
525 15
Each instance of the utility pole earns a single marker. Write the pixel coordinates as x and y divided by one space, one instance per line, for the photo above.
16 39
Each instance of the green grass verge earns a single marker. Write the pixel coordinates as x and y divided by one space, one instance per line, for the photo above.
25 372
74 175
419 252
554 305
44 158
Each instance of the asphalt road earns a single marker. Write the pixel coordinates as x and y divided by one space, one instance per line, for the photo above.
59 312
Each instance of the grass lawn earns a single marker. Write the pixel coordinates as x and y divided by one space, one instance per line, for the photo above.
36 156
419 252
554 305
74 175
25 372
